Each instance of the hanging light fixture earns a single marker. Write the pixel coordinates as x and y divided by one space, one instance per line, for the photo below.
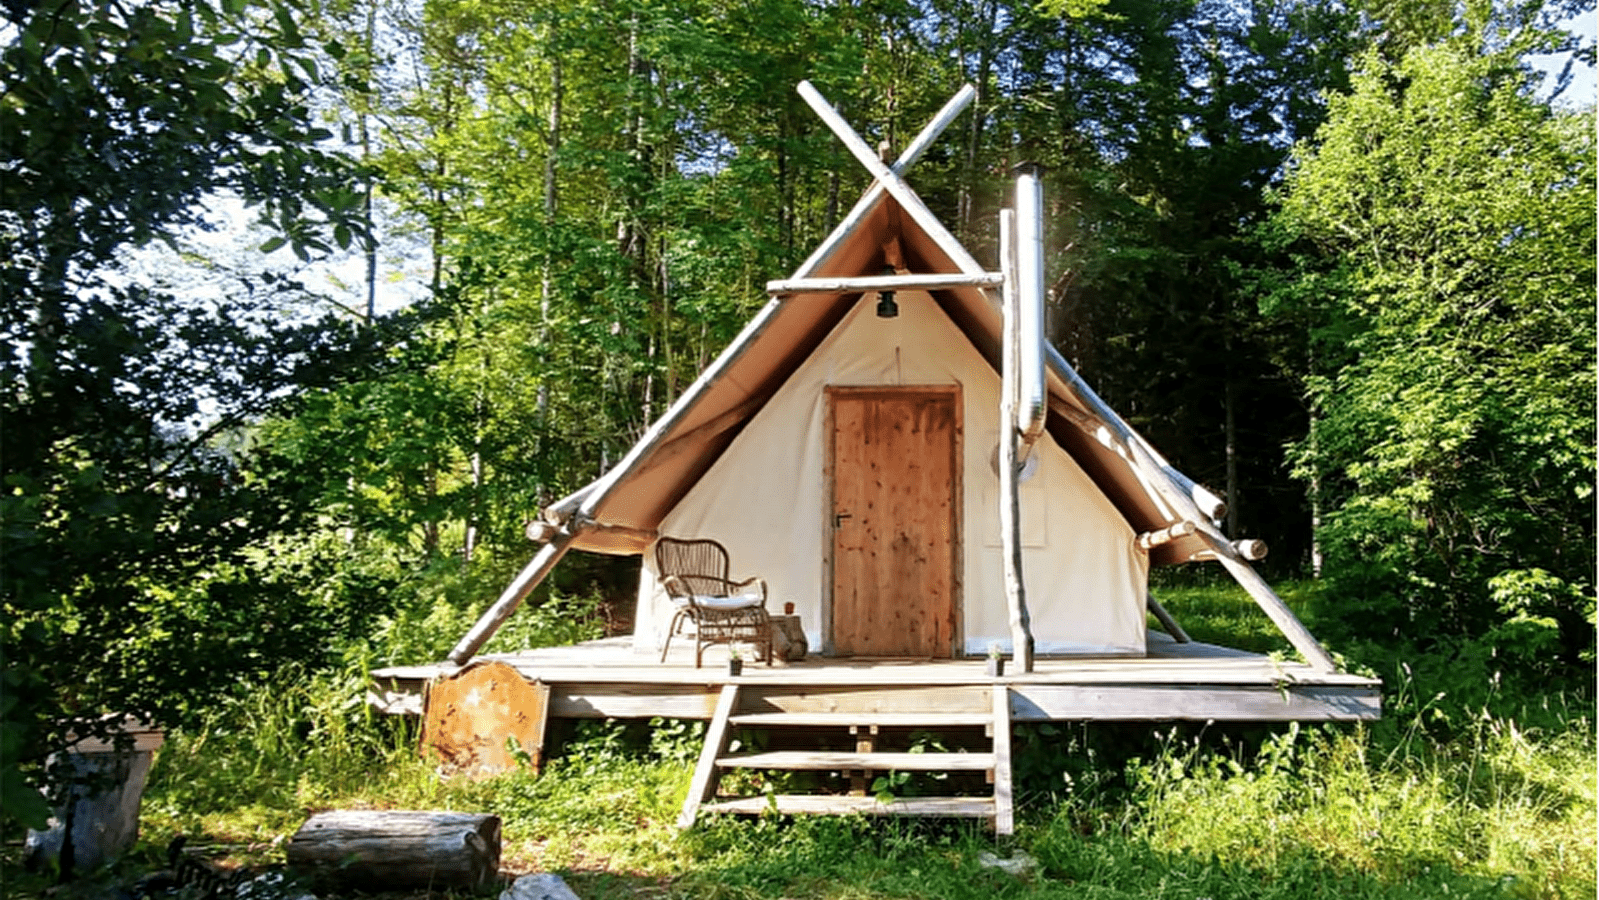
886 307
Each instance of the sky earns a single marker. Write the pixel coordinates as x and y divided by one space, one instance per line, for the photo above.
1582 90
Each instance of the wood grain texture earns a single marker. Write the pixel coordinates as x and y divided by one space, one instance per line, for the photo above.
895 477
1004 803
396 850
842 805
869 760
471 715
703 787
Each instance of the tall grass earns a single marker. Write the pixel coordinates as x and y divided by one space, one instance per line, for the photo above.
1458 791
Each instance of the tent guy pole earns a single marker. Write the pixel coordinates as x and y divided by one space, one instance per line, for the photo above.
1010 537
511 598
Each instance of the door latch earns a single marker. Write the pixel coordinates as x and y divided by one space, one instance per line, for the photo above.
838 519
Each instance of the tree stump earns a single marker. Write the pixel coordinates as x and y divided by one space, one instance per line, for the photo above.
788 638
388 850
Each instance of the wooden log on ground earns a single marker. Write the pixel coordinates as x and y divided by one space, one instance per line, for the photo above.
381 850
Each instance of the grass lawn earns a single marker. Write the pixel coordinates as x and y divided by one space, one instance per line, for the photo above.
1434 801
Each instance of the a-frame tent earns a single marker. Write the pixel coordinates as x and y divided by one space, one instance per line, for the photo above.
751 455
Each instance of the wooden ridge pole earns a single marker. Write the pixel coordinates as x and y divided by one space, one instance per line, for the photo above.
866 283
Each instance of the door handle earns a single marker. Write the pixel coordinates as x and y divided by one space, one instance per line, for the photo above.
838 519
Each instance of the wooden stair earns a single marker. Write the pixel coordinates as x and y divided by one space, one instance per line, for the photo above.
864 726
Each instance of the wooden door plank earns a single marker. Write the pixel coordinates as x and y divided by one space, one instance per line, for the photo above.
895 484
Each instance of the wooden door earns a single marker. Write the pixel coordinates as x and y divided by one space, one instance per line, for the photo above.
895 475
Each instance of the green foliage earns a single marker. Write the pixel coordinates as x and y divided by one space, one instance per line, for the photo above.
127 511
1443 796
440 603
1453 341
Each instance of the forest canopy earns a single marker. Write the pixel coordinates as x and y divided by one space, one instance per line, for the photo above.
1336 261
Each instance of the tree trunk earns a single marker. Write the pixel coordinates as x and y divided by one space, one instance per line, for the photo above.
546 287
974 133
369 187
1230 402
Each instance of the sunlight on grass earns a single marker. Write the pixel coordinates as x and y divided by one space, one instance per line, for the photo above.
1437 799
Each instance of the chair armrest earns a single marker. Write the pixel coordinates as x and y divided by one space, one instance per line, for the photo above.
758 582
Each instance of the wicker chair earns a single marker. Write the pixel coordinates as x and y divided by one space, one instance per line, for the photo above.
723 611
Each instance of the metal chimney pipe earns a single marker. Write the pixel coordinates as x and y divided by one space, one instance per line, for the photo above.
1031 405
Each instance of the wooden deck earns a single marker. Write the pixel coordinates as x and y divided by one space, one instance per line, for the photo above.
1191 682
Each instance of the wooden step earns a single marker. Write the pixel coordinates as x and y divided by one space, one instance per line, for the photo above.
881 719
842 805
811 760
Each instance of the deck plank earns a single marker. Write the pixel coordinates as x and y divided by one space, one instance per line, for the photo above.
839 805
827 761
1195 682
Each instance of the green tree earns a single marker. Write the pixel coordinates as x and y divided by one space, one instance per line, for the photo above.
126 577
1446 217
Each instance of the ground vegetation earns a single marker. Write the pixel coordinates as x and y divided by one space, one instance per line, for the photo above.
1335 260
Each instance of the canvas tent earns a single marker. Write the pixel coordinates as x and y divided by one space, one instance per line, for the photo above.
821 414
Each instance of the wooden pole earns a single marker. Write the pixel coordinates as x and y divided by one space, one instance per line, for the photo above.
1166 621
1089 422
1151 539
1186 502
1251 548
511 598
866 283
888 178
869 200
1021 632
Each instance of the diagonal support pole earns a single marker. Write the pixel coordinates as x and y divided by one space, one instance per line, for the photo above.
929 133
887 177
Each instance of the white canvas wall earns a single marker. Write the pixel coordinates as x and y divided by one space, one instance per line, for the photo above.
764 499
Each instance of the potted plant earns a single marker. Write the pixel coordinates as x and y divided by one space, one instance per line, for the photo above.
996 661
735 662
